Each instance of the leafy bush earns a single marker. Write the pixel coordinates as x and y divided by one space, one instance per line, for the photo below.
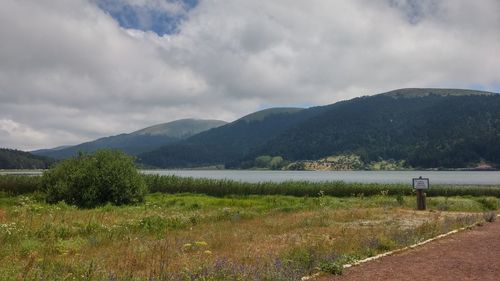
490 216
269 162
489 203
91 180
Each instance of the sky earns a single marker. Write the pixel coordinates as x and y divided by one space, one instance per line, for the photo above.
76 70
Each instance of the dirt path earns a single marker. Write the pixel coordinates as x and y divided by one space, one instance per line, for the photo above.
468 255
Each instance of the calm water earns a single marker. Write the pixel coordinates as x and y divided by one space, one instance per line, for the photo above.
436 177
441 177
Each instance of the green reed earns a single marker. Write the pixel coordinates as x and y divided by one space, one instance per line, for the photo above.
221 187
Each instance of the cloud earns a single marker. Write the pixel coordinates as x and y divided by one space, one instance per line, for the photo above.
24 136
318 49
417 10
74 71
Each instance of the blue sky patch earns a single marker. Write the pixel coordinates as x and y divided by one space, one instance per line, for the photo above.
414 11
489 88
150 16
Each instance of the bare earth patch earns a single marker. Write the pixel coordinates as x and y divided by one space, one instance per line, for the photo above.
468 255
3 215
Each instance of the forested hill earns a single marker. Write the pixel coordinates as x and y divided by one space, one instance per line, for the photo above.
430 131
15 159
428 128
231 142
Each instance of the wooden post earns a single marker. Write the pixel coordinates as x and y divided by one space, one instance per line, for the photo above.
420 184
421 200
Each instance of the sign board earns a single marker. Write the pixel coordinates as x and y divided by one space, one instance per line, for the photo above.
421 183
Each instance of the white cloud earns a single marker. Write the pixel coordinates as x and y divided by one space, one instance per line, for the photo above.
69 70
21 136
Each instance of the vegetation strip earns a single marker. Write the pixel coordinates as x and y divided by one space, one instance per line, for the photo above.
17 184
214 187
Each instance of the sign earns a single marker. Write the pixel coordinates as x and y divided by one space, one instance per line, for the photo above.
421 183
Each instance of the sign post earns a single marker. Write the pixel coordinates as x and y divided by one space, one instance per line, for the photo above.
420 184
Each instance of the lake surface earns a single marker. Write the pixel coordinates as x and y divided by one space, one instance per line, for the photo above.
435 177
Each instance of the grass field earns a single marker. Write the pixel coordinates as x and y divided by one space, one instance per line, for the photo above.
187 236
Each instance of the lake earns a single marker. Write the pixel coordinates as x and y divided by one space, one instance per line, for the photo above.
436 177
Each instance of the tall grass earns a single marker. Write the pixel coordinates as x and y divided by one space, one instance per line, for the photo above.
15 184
216 187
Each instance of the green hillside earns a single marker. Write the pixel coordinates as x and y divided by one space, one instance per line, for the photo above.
179 129
428 128
263 114
228 143
140 141
16 159
452 130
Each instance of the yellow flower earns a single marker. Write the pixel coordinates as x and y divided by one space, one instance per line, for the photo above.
201 243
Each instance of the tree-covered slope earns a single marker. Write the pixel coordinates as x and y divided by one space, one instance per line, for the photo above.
140 141
231 142
426 127
16 159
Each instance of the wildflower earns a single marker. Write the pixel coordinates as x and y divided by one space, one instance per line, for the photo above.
201 243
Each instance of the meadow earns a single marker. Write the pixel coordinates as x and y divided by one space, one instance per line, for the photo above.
219 230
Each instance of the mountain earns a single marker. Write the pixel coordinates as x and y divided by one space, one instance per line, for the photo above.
179 129
427 128
48 151
230 142
140 141
16 159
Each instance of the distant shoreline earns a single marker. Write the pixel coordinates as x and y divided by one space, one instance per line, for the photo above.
39 171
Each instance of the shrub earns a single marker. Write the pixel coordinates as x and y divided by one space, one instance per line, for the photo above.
91 180
490 216
489 203
335 268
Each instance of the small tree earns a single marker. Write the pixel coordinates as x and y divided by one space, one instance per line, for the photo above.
263 161
276 162
91 180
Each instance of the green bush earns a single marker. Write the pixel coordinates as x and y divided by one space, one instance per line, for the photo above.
92 180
